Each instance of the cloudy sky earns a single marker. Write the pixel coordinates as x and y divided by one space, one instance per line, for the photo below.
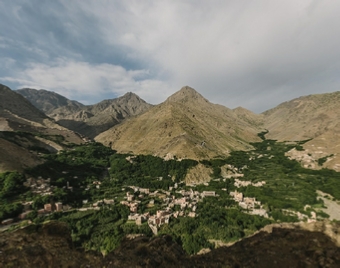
254 54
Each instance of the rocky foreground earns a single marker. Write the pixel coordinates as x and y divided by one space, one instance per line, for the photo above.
50 245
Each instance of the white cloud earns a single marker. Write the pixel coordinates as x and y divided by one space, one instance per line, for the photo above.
235 52
227 48
81 80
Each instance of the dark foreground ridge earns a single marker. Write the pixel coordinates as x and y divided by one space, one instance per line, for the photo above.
50 245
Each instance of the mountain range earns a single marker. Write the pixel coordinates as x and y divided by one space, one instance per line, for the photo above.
186 125
89 120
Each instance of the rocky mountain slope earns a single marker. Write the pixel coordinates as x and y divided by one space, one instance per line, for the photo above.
50 245
89 120
18 114
304 118
15 157
314 117
186 125
249 116
16 108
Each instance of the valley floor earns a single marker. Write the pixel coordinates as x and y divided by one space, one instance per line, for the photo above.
103 196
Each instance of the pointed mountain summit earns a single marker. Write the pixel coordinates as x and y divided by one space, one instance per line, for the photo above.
186 125
186 94
130 103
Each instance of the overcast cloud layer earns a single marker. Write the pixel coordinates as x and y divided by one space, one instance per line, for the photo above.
254 54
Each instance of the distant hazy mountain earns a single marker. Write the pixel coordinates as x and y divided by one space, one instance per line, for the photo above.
47 101
186 125
89 120
315 117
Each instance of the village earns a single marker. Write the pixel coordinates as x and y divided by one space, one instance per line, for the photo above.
152 207
184 206
175 202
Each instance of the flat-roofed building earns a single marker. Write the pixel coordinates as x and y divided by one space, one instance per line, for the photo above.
59 206
208 193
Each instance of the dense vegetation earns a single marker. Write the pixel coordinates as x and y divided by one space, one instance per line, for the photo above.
11 189
288 184
218 220
101 230
24 139
146 171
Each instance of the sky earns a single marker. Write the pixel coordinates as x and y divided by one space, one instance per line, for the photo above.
255 54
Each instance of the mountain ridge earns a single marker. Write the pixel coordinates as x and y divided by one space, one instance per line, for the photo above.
47 101
187 111
88 120
186 125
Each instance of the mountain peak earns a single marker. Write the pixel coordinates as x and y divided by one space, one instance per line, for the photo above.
186 94
130 95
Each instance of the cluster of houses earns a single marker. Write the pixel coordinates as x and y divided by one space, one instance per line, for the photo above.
238 183
48 208
233 172
249 203
39 186
174 207
42 187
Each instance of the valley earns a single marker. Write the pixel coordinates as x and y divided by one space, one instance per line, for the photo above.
188 173
98 192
